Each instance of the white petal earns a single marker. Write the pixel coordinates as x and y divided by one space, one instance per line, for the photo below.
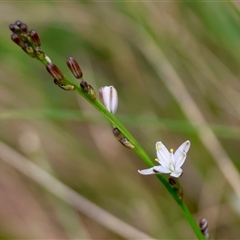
177 173
108 96
163 154
147 171
171 164
181 153
154 170
180 161
113 99
183 147
161 169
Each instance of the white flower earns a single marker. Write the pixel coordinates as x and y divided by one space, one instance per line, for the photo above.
109 98
169 162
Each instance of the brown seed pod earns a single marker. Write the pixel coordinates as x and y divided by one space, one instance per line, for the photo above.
18 23
39 53
74 67
84 85
64 87
29 50
15 38
91 92
54 71
35 38
119 136
24 28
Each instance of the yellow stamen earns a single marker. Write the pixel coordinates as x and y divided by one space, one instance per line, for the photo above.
171 150
156 160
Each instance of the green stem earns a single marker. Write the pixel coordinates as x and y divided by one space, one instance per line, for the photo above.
139 150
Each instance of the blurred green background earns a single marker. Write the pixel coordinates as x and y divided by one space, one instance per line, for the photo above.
176 66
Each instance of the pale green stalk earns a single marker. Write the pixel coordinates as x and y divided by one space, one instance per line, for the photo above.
139 150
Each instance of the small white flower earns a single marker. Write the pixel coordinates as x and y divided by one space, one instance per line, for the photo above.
109 98
169 162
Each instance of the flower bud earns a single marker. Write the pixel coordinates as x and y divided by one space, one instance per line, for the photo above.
24 28
176 187
91 92
15 38
87 88
35 38
84 85
172 182
39 53
64 87
18 23
203 224
74 67
109 98
119 136
28 49
14 28
54 71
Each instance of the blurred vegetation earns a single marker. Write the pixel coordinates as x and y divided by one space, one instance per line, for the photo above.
176 66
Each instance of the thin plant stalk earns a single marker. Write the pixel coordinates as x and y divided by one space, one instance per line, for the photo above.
140 152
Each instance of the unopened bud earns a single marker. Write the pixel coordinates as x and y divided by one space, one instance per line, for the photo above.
64 87
119 136
84 85
203 224
35 38
15 38
24 28
39 53
54 71
91 92
172 181
176 187
109 98
18 23
14 28
88 89
29 50
74 67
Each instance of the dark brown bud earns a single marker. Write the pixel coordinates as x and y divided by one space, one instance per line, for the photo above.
54 71
74 67
84 85
119 136
29 50
14 28
18 23
35 38
172 181
64 87
176 187
15 38
24 28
